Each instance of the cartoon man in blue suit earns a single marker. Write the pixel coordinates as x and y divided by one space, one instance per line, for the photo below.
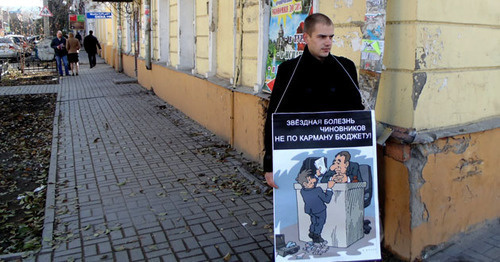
314 200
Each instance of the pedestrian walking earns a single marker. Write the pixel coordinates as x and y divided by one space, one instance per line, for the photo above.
79 37
90 43
61 53
73 47
315 81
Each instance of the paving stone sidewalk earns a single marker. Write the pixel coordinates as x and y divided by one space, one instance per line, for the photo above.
133 179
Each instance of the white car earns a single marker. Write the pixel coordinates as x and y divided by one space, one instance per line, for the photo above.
22 42
8 49
18 39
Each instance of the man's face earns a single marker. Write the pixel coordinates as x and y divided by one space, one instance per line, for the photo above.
59 34
320 40
340 165
311 182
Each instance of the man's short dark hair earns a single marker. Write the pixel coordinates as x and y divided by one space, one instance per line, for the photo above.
314 19
302 177
91 32
345 154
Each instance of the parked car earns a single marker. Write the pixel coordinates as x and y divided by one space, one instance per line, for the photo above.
9 49
21 41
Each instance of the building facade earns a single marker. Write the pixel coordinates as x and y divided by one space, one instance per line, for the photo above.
437 92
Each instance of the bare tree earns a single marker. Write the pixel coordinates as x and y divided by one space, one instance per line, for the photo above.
60 19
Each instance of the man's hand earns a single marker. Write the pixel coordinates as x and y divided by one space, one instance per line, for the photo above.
270 179
340 178
330 184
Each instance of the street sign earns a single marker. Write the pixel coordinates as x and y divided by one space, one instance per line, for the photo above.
45 12
99 15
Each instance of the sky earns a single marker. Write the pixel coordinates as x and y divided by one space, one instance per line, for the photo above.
21 3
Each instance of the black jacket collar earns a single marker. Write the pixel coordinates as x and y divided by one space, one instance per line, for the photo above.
311 60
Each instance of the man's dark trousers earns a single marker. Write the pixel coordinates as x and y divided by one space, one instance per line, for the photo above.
92 60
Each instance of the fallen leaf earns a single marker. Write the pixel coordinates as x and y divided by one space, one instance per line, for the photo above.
122 183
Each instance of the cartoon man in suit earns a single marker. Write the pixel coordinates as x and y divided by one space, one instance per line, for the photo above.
314 200
343 170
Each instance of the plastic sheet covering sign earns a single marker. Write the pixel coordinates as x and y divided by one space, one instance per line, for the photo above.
285 35
326 207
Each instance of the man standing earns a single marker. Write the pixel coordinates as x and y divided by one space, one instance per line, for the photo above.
59 45
316 81
90 43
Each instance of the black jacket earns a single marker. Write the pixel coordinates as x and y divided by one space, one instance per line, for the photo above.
59 42
316 87
90 44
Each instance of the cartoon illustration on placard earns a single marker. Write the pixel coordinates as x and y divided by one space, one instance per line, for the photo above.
326 206
331 199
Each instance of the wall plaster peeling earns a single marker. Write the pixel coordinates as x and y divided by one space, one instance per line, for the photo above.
418 159
419 81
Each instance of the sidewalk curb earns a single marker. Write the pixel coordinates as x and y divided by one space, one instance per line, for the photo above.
48 224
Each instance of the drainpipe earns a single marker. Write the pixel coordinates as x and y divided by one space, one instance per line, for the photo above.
120 63
238 43
147 13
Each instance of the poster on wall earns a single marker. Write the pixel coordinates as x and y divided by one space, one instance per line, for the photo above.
372 50
285 35
77 22
326 207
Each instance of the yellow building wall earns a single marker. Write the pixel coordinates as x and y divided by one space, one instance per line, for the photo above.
249 20
174 30
346 17
395 205
142 29
108 33
201 30
249 118
461 186
452 54
128 65
458 190
155 41
225 40
108 54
